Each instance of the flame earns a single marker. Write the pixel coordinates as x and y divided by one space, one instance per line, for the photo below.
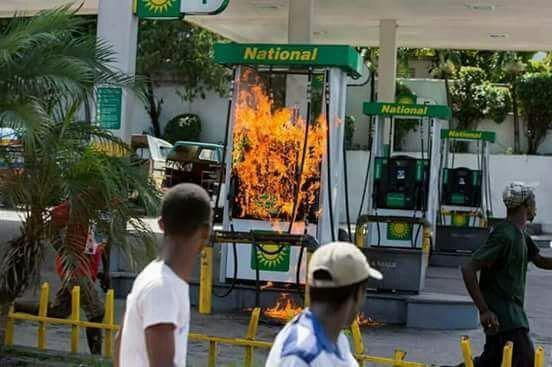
367 322
267 285
284 310
267 154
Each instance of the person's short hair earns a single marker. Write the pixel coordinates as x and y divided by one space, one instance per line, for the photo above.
335 296
185 208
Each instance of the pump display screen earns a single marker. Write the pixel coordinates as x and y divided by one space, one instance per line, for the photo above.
461 187
401 182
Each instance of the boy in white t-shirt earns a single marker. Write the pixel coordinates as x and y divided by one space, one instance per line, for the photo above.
337 275
155 328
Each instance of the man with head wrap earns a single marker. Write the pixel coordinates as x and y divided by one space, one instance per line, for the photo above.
499 294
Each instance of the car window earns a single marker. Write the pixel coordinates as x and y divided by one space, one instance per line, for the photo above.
143 153
208 155
165 151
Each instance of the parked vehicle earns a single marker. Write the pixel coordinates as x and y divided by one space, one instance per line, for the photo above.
152 153
200 163
11 155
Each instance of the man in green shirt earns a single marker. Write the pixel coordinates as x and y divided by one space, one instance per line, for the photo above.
499 295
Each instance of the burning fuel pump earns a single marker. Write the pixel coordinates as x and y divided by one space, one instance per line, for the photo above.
465 201
283 156
397 231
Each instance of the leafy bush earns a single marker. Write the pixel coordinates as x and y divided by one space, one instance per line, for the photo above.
498 101
535 93
186 126
474 98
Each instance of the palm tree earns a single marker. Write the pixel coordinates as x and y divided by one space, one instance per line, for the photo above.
50 66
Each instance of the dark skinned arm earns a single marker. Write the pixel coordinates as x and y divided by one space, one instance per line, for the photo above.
469 273
106 275
543 262
160 345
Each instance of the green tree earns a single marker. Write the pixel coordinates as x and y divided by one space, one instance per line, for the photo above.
475 98
50 66
534 91
182 53
513 70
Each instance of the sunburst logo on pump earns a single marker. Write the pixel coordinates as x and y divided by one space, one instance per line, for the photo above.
399 231
271 257
159 6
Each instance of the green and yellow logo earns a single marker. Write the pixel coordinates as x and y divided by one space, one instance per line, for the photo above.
157 8
399 231
279 54
268 258
460 219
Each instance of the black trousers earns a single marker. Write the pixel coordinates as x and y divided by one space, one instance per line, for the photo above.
524 352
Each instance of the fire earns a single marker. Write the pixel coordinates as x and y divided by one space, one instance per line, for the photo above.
369 322
267 285
267 154
284 310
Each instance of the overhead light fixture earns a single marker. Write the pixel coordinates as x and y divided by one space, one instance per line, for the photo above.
481 7
499 35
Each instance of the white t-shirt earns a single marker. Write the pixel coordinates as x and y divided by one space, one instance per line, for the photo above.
158 296
303 343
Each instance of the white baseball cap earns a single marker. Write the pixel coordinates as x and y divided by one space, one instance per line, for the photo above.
345 264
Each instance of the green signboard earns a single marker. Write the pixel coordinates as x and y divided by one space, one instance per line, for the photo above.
108 111
269 260
157 9
343 57
489 136
406 110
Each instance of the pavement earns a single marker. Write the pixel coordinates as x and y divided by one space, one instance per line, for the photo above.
431 347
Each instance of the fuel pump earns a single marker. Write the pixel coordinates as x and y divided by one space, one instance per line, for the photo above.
465 201
402 215
284 156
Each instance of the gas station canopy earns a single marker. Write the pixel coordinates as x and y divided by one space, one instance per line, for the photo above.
461 24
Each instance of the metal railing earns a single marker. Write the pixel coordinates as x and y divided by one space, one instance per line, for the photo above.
74 321
249 342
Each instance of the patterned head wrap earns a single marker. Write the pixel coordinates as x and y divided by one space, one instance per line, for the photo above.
517 193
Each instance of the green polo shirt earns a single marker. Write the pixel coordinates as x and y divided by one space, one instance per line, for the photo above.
505 257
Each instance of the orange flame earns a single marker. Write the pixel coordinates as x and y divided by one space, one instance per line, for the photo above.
267 285
268 146
284 310
367 322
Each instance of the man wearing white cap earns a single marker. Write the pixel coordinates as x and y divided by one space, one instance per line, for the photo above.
337 278
499 294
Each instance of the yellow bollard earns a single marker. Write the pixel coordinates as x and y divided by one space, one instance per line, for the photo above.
399 356
109 318
307 295
42 312
206 281
75 317
466 351
426 243
507 354
251 333
212 362
10 325
539 357
358 345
